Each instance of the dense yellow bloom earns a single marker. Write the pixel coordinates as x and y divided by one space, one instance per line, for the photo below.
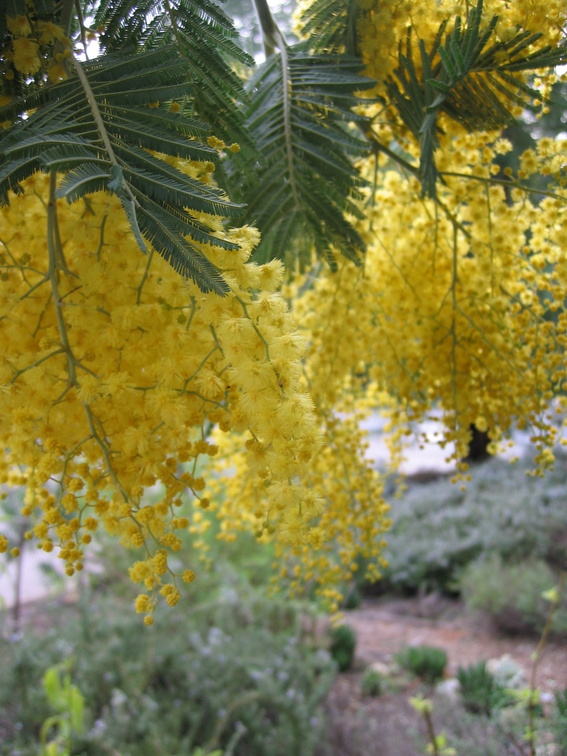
31 49
26 56
459 312
113 368
118 376
19 25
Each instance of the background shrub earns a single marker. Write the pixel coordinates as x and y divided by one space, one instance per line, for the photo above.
438 529
371 683
235 669
511 594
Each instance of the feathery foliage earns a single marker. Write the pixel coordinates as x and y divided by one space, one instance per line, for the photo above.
331 25
205 38
97 127
300 112
470 77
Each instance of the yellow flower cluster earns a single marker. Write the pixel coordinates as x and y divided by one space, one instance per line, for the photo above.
115 370
119 376
36 45
383 24
461 302
460 306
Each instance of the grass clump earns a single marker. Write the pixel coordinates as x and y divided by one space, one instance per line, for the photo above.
426 662
480 693
343 644
371 684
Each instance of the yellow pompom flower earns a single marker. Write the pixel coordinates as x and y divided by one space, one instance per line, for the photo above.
19 25
26 56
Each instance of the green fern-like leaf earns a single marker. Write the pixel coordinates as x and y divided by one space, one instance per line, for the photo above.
95 128
331 26
205 38
471 77
306 183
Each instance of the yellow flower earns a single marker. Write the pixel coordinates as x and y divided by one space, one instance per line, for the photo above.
19 25
56 72
216 143
50 32
26 56
142 603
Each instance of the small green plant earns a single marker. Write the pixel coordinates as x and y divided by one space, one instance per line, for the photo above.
371 683
343 644
68 702
480 693
427 662
352 598
437 743
559 720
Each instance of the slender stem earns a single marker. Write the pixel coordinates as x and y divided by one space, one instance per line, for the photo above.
273 38
72 362
173 20
144 277
506 183
454 309
268 26
17 608
414 170
431 732
105 452
287 95
66 15
82 29
95 110
34 364
537 658
52 274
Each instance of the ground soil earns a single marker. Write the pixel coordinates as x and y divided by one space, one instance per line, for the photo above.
387 725
384 626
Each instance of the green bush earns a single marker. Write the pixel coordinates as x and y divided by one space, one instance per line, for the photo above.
480 693
371 683
234 671
511 594
343 644
352 598
438 529
427 662
558 720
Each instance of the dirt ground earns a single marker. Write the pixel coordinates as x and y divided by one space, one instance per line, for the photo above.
384 626
387 725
